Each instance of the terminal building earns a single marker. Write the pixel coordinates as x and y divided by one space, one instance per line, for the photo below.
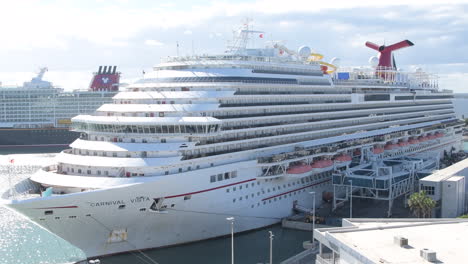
448 188
394 241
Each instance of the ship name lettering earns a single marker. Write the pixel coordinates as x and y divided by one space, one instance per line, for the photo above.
107 203
139 199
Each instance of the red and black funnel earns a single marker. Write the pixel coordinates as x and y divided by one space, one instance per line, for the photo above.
106 79
386 59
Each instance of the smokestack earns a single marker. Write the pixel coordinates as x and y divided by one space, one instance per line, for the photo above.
114 70
100 70
109 70
104 70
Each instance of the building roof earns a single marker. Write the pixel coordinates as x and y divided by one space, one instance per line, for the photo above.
372 240
456 169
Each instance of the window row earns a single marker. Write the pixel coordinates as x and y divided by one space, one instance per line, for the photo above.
150 129
223 176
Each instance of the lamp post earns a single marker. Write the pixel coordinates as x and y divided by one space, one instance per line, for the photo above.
231 219
271 247
351 199
313 216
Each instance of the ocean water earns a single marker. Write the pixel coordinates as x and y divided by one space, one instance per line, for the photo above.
461 107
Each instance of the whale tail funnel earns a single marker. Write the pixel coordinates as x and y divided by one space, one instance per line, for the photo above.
386 59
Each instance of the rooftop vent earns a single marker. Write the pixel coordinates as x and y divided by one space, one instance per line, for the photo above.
428 255
400 241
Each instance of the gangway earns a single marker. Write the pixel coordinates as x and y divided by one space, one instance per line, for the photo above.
385 179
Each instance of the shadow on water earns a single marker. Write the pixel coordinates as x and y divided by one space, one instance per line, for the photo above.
249 247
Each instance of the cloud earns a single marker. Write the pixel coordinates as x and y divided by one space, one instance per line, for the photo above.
80 35
152 42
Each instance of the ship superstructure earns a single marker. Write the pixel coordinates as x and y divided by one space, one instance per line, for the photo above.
246 134
38 113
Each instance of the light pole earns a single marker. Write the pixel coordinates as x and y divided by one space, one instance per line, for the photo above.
271 247
231 219
313 216
351 199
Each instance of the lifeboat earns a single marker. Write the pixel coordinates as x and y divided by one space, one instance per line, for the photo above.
357 152
299 170
431 137
403 143
413 141
343 160
391 146
322 165
378 150
439 134
423 138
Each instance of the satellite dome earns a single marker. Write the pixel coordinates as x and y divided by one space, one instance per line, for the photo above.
335 61
374 61
304 51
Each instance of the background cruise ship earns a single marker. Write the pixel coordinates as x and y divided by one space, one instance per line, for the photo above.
245 134
38 113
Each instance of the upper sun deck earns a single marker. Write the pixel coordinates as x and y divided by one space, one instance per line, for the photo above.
229 60
387 77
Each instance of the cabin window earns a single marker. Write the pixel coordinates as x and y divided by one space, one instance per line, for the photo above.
49 212
187 197
220 177
233 174
212 178
226 176
122 206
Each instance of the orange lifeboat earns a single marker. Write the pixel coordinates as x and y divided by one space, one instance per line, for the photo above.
403 144
378 150
320 164
391 146
343 158
299 169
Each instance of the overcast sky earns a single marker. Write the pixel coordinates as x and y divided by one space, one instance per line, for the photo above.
72 38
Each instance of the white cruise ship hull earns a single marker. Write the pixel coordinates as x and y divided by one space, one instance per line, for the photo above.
88 219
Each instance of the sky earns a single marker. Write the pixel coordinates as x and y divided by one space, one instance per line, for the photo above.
73 38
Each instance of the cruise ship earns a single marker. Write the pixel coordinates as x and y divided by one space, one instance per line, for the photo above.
246 134
39 114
